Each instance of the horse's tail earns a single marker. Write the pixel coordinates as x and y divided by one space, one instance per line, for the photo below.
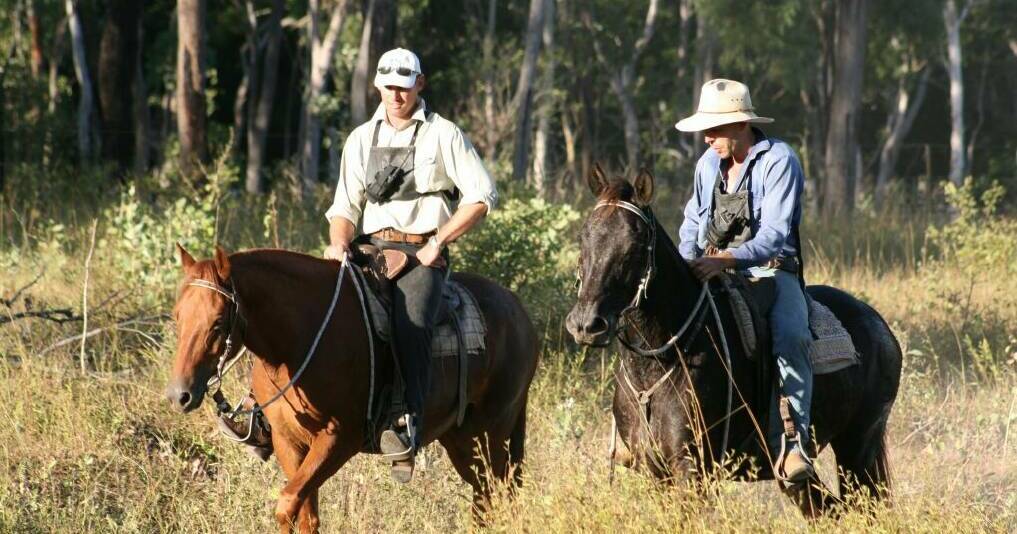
517 446
881 463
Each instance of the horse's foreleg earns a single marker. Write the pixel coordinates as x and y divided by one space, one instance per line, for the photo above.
326 455
309 522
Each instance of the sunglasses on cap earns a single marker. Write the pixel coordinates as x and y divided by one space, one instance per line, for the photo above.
402 71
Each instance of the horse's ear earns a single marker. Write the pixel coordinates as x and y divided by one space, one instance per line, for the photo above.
597 180
186 260
222 263
643 185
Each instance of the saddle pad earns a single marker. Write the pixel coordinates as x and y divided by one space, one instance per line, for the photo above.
458 301
831 349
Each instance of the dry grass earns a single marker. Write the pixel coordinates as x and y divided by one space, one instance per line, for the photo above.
103 452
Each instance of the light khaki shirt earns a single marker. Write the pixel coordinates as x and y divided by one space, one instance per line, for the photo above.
439 143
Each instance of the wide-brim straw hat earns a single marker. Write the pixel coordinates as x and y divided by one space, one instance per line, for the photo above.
721 102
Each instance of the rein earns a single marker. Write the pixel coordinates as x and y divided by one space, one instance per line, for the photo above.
695 317
222 405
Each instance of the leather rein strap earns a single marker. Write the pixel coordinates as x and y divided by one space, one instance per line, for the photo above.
642 292
227 353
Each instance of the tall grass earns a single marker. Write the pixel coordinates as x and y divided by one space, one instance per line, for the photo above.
102 452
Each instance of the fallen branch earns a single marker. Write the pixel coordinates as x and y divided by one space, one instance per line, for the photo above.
60 316
96 331
17 293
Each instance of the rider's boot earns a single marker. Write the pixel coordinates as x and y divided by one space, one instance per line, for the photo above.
255 433
399 445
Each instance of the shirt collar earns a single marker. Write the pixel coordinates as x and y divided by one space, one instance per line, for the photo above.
419 115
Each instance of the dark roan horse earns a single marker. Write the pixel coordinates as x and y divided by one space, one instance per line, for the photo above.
274 302
680 430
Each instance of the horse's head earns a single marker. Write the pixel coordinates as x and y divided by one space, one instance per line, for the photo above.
616 243
206 315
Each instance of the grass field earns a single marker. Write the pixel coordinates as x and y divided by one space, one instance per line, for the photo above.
90 445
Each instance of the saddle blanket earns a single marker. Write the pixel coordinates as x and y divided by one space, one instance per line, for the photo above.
831 349
444 343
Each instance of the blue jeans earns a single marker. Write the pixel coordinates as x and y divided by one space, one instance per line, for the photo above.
789 322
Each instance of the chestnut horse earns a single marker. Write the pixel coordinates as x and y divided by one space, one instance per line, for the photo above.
688 409
274 303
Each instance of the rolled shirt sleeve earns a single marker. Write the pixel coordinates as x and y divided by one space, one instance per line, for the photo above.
465 168
349 192
784 182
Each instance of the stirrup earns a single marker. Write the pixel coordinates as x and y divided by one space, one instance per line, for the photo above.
802 473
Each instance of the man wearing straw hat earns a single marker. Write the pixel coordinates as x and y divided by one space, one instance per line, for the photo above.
744 214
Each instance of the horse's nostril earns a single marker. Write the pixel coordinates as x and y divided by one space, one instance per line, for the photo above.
185 398
597 325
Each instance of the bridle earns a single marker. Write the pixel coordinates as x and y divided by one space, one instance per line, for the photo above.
696 317
651 258
227 358
223 406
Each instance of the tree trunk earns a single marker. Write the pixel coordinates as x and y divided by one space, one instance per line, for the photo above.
523 101
490 69
117 47
35 34
955 59
546 104
85 103
249 65
322 51
191 119
142 124
3 106
621 85
262 101
845 106
361 71
706 57
898 125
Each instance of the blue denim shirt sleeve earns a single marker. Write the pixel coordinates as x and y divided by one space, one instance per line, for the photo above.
783 183
688 232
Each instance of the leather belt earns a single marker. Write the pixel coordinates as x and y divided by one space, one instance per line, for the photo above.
395 236
784 263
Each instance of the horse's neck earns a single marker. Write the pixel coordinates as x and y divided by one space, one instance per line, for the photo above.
284 298
672 294
671 299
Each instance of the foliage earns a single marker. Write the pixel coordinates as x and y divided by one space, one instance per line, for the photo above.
978 239
526 244
141 233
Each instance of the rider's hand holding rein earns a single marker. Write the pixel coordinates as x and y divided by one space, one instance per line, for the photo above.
706 267
340 235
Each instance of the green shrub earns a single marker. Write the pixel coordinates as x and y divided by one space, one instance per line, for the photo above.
528 245
978 239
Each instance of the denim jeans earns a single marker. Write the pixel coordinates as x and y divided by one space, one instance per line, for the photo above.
416 301
789 323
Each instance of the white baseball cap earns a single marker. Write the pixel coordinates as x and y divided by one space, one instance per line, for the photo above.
721 102
398 67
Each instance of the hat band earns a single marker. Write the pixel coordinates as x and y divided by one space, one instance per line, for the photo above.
729 111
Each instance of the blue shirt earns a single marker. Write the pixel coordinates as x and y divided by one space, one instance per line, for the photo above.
775 187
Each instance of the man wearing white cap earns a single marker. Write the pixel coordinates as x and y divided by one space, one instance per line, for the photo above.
400 175
744 214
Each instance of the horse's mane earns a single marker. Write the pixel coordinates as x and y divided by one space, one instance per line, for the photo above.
617 190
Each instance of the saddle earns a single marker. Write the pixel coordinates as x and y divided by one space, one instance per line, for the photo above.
459 313
459 331
751 300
